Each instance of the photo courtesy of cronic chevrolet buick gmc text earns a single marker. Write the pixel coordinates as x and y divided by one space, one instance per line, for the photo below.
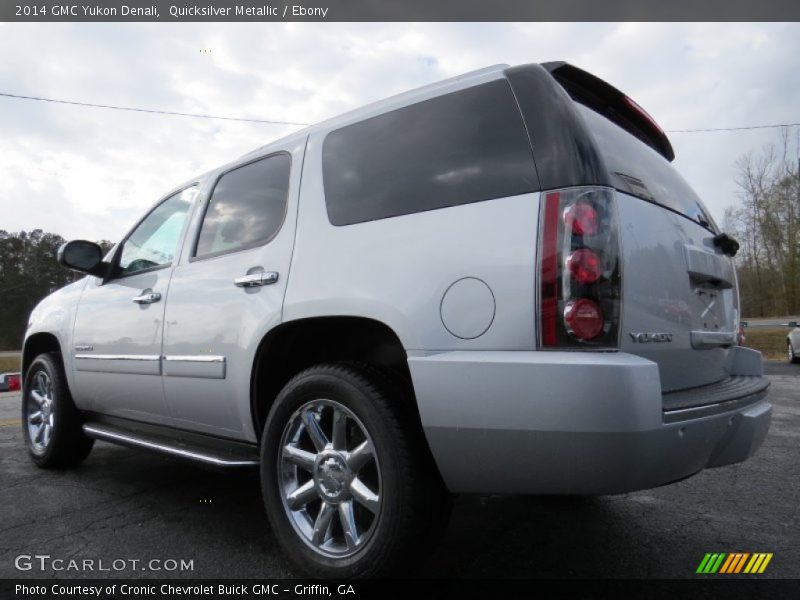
493 284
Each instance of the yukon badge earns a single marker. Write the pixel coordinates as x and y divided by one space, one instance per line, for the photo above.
646 337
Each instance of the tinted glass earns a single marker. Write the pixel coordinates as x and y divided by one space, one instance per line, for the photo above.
458 148
153 242
84 255
639 170
246 208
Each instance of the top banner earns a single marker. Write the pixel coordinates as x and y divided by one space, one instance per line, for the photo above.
398 10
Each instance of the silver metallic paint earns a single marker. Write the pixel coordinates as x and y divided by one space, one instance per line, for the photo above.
499 415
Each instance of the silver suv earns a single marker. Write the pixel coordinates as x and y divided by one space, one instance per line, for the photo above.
493 284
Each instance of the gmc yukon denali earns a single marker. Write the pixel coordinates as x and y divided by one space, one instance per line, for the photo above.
493 284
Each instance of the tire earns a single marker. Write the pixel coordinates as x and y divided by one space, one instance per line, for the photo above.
793 358
394 495
51 424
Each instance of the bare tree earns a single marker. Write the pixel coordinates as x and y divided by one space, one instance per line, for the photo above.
768 224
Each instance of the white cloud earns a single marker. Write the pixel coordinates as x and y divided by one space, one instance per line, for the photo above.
90 173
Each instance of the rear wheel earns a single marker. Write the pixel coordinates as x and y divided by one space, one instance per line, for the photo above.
349 488
793 358
51 424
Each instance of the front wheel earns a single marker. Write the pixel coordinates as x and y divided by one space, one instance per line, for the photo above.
349 487
793 358
51 424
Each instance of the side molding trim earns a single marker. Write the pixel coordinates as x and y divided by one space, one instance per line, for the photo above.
202 366
134 364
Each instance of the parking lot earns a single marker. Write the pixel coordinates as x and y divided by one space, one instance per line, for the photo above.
123 504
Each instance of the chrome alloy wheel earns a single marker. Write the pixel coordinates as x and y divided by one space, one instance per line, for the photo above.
40 412
329 477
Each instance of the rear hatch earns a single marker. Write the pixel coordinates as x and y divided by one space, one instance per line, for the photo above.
673 298
679 294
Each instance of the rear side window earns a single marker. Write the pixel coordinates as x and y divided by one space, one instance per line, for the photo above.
246 208
459 148
639 170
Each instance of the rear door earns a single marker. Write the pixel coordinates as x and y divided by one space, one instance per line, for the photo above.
228 292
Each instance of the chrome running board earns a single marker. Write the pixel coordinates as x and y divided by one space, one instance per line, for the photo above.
181 448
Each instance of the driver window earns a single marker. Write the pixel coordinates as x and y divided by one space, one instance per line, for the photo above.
152 244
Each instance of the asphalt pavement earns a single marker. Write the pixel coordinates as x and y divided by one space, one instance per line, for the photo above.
127 505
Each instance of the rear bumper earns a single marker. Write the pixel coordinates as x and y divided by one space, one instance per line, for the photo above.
573 422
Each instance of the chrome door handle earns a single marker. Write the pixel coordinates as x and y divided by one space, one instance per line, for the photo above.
147 298
256 279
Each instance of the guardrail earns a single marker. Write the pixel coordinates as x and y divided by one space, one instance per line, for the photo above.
790 324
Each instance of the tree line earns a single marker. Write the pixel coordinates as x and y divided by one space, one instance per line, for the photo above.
28 272
767 226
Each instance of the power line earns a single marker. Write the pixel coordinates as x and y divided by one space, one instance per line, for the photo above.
14 287
274 122
732 128
147 110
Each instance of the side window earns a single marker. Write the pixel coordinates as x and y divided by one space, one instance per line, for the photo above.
458 148
154 241
246 208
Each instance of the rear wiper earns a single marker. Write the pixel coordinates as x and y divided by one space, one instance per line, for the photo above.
727 244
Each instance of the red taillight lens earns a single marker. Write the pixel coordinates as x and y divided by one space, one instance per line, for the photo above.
584 266
643 113
13 383
582 218
549 275
583 318
580 284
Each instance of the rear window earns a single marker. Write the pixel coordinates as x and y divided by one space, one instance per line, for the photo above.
459 148
637 169
246 208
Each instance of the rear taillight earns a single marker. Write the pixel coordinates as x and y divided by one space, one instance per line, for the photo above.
584 265
580 280
13 383
583 319
583 217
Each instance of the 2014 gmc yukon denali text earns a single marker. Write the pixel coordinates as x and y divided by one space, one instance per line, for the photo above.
493 284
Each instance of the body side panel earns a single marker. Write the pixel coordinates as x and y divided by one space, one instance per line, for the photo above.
397 270
56 315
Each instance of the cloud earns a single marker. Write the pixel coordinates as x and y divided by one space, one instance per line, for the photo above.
91 173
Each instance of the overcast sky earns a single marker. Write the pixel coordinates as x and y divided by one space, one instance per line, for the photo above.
89 173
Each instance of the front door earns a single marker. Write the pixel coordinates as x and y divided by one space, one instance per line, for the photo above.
227 292
119 322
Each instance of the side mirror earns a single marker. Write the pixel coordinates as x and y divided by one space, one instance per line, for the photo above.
85 257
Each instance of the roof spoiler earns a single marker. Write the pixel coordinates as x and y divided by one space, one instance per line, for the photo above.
607 100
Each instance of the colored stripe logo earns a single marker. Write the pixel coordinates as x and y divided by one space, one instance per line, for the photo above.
733 563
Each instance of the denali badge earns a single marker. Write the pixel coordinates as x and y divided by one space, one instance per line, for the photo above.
646 338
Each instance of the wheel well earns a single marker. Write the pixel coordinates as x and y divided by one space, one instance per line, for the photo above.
35 345
297 345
